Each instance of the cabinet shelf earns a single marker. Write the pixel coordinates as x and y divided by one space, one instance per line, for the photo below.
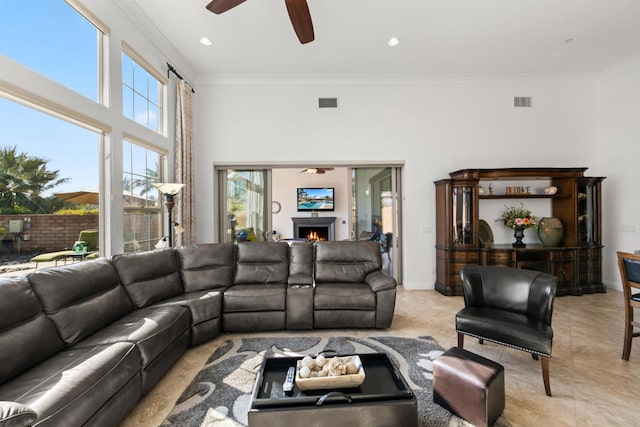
524 196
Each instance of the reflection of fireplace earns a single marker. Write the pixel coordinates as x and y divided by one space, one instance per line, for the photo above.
314 228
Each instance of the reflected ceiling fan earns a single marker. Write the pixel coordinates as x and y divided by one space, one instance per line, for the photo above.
316 170
298 13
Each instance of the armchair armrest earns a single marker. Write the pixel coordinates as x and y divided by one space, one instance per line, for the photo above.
13 414
380 281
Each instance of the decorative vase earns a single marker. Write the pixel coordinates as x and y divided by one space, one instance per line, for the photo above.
518 233
550 231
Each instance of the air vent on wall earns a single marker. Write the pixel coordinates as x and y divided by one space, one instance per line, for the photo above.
327 102
522 101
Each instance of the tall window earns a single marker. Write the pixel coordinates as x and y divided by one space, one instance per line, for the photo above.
53 39
142 168
141 94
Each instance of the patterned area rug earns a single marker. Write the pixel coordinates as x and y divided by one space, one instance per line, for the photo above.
220 394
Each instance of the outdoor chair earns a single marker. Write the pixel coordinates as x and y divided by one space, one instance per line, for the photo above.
90 237
629 265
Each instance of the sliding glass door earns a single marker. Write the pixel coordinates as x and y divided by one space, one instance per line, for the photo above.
243 205
376 212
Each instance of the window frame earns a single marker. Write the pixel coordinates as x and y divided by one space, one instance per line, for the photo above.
162 81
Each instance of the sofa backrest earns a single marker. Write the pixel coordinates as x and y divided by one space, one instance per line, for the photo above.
262 262
27 335
81 298
346 261
149 277
301 263
208 266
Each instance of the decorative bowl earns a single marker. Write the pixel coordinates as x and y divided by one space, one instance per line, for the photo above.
550 190
341 381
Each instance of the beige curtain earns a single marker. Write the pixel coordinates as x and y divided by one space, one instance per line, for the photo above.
186 215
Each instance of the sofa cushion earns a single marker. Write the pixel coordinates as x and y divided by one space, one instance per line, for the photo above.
208 266
203 305
152 329
27 336
262 262
81 298
344 296
256 297
68 388
512 329
149 276
346 261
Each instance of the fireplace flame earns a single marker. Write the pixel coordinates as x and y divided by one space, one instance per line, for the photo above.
313 237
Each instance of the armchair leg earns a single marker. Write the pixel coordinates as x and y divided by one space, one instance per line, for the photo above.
460 340
534 356
544 361
480 340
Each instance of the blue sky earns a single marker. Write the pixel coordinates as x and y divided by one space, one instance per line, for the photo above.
52 39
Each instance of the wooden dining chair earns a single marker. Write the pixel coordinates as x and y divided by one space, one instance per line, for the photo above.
629 265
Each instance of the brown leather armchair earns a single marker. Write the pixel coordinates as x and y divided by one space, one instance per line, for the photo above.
509 306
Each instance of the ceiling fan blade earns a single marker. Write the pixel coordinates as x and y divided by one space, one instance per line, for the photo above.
221 6
301 19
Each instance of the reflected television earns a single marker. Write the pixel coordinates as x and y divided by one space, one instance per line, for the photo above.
315 199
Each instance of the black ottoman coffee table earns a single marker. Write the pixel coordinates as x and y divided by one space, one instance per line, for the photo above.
383 399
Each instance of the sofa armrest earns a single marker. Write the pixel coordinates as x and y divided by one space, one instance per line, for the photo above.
13 414
380 281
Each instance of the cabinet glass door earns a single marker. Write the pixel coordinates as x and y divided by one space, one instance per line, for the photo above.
587 211
462 198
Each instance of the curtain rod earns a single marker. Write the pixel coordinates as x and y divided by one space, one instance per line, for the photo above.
170 69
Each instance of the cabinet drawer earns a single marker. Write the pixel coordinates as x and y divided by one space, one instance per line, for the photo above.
467 257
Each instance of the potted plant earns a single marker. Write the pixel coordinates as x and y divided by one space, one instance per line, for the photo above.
519 219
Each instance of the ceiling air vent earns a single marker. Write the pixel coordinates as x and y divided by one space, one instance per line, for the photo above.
327 102
522 101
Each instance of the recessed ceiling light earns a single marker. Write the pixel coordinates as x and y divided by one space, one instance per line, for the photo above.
393 41
205 41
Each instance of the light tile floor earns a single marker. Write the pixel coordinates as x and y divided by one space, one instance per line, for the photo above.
591 384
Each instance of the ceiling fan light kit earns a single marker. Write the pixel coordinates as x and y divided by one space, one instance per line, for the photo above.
316 171
298 14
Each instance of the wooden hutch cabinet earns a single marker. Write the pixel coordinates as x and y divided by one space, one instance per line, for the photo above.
576 260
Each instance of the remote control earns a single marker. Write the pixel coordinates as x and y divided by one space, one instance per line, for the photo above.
287 386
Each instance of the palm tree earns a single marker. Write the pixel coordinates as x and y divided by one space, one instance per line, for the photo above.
23 179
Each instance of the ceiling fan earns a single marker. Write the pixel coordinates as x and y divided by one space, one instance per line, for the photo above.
298 14
319 171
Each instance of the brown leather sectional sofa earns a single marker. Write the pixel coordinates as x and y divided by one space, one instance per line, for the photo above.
81 344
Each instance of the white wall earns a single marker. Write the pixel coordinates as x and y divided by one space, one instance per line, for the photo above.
435 127
285 184
616 157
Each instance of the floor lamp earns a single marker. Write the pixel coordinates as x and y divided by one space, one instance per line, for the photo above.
169 190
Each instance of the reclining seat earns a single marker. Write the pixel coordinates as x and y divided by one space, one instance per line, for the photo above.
351 290
161 332
257 299
206 271
41 321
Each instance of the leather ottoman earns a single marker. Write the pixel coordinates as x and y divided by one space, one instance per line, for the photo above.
469 385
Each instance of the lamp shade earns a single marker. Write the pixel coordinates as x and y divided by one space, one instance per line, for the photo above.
171 188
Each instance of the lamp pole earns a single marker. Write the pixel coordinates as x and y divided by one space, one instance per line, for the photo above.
169 204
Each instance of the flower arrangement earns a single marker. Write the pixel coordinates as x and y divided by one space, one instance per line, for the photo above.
518 216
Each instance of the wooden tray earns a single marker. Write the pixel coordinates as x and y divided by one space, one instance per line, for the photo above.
342 381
